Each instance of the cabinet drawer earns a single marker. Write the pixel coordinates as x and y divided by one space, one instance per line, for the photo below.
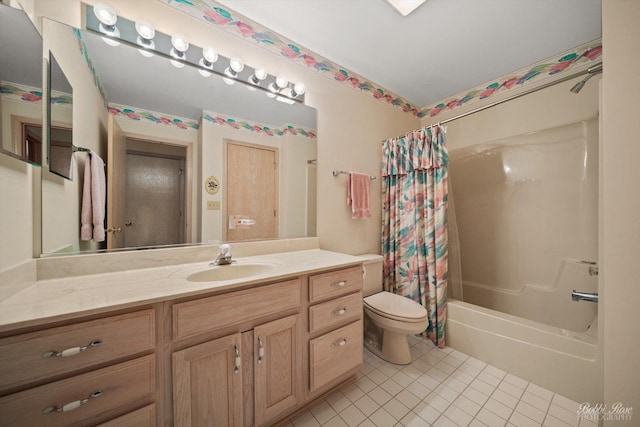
335 312
335 353
119 385
23 361
142 417
333 284
207 314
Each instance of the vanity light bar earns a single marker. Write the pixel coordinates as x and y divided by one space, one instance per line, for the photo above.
180 52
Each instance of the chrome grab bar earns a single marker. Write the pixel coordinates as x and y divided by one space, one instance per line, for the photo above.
584 296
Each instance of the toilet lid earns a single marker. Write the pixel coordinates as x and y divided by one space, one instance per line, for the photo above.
392 305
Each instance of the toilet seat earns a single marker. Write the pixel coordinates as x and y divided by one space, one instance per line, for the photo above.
395 307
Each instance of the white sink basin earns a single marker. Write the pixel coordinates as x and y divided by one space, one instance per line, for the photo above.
230 272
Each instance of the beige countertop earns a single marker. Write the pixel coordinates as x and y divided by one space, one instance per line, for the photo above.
57 299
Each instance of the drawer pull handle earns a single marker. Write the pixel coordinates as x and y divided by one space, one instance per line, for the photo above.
339 284
340 343
238 360
260 350
72 351
339 312
72 405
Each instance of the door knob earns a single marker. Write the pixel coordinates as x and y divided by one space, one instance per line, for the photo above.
114 230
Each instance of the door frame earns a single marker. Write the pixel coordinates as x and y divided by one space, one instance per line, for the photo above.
188 176
225 200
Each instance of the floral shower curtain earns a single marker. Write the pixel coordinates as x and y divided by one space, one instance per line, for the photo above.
414 222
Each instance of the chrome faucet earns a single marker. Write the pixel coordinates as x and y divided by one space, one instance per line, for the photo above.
224 257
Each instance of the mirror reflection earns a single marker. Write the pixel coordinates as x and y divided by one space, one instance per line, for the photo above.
20 86
60 136
188 158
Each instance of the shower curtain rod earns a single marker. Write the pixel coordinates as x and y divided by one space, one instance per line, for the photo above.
526 92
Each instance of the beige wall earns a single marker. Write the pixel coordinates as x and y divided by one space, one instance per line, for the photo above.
15 212
621 205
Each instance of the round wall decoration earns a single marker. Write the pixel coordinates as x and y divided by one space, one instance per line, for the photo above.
212 185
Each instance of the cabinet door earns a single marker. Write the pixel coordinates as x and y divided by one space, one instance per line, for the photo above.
277 368
207 384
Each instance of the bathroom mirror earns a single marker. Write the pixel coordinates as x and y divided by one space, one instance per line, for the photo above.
20 86
189 123
60 135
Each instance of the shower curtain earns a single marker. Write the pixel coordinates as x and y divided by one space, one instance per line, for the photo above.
414 222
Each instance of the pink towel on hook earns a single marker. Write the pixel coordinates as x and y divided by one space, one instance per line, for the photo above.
93 199
359 195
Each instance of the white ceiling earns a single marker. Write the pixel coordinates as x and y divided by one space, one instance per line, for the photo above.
442 48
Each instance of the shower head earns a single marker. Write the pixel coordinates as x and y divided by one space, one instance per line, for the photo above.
590 73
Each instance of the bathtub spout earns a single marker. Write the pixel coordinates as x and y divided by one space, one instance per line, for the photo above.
584 296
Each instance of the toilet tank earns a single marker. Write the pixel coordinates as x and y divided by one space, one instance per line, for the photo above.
372 277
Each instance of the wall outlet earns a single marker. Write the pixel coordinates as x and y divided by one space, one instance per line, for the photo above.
213 205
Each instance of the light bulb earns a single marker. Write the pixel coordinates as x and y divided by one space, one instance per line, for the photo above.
176 64
105 14
145 30
179 43
228 81
236 64
204 73
298 89
260 73
209 54
281 82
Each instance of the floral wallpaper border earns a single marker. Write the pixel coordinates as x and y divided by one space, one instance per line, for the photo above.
20 92
215 14
152 117
581 57
85 55
238 124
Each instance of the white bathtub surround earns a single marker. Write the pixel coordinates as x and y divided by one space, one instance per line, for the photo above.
442 387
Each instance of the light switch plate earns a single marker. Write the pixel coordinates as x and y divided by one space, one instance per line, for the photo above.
213 205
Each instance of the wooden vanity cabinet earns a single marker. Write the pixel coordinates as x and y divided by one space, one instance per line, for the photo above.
81 373
335 327
250 377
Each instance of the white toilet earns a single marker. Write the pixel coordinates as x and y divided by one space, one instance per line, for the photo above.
388 318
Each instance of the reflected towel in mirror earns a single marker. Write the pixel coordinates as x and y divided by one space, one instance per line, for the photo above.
93 199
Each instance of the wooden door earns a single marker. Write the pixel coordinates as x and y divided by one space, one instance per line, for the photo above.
207 387
277 368
116 184
252 190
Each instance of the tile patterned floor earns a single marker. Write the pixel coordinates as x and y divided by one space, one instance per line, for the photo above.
442 387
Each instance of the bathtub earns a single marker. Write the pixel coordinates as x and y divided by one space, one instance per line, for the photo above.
563 361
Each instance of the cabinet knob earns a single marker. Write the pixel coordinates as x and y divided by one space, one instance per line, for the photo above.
339 284
340 343
72 405
340 312
72 351
238 360
260 350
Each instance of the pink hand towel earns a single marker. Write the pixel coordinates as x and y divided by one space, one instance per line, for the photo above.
359 195
93 199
